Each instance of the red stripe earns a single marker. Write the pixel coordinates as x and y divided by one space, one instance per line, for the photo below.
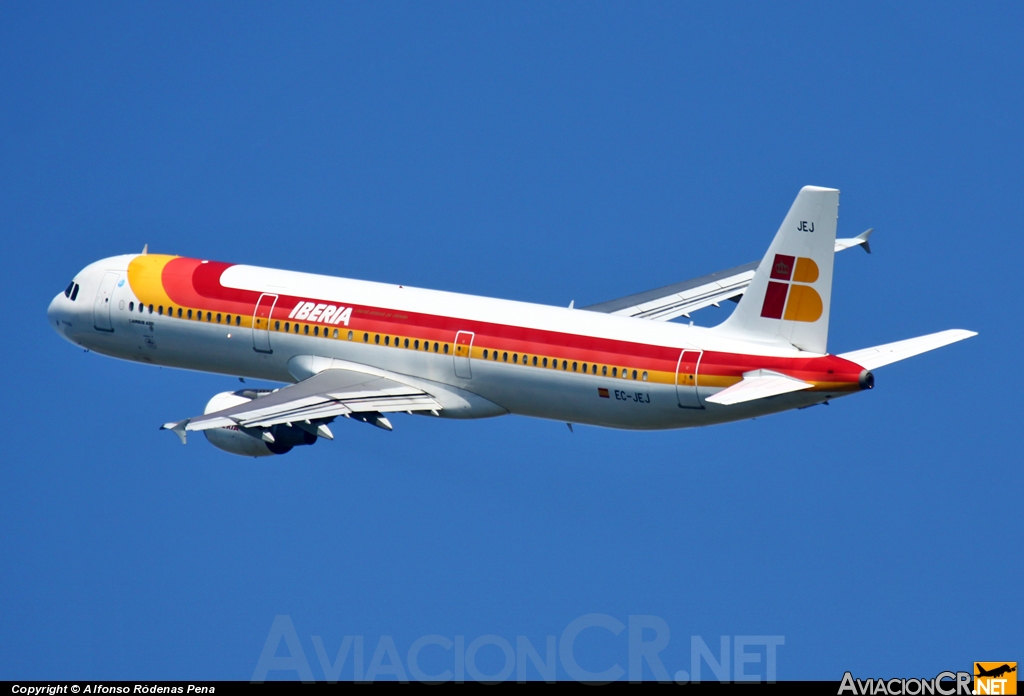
192 283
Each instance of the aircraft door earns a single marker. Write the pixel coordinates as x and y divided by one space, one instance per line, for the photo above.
101 305
686 379
261 323
463 350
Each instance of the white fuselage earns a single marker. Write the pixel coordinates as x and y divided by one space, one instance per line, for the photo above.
105 317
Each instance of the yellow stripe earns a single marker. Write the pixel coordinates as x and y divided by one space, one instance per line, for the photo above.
145 275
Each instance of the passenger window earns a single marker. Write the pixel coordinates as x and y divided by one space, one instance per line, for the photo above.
305 329
485 353
287 327
545 362
535 361
350 335
238 320
387 340
574 367
435 347
615 372
604 370
160 310
406 343
446 348
504 357
209 316
376 339
151 309
634 374
189 313
584 367
515 357
593 369
316 331
277 324
565 364
366 338
335 333
131 306
416 345
645 375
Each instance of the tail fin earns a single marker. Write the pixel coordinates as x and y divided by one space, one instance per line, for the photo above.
789 296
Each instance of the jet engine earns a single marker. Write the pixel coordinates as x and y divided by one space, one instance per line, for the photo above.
254 442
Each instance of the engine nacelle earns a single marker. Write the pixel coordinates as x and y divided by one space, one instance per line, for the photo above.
249 443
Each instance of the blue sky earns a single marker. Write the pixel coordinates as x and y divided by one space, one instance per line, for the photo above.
542 152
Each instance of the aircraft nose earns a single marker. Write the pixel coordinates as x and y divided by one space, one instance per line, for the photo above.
55 312
51 311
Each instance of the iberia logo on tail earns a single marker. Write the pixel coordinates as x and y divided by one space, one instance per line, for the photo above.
787 297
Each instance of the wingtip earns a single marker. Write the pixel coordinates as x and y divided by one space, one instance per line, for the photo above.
865 235
178 429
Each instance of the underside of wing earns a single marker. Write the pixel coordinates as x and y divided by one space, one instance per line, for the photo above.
680 299
758 384
328 394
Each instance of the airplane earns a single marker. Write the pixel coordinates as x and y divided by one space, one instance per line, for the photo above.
995 672
362 350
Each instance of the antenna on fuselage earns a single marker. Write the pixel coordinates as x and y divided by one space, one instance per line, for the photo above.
145 249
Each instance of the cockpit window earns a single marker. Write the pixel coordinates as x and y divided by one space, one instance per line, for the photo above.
71 286
74 293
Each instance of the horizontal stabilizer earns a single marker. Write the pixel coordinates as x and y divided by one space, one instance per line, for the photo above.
758 384
870 358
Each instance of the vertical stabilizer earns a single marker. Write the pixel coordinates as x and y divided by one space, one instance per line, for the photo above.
789 296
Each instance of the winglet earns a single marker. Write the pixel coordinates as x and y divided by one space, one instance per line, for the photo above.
860 240
177 428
